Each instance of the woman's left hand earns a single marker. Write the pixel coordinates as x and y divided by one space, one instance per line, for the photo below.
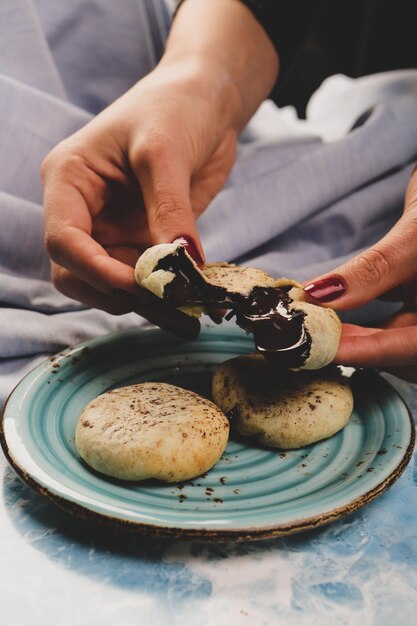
387 269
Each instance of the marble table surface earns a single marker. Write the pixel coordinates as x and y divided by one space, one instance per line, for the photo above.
57 570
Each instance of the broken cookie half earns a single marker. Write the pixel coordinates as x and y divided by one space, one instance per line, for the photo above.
288 330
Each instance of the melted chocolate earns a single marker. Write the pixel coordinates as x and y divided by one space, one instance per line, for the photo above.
234 413
188 288
279 333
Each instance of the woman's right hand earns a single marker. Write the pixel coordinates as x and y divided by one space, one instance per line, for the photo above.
137 174
144 169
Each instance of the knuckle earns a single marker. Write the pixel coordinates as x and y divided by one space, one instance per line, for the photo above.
159 148
152 148
57 242
371 267
54 275
64 161
168 210
70 165
45 166
169 214
60 279
54 158
52 246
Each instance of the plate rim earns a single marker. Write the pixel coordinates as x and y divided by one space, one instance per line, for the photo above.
159 531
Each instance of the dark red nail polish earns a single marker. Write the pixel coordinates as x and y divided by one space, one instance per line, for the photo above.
326 289
191 248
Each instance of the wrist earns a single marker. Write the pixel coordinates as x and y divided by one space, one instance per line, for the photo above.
205 80
229 52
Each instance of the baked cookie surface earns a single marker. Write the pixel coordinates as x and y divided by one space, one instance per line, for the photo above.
281 409
151 430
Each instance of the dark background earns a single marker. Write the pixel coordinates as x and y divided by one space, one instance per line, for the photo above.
354 38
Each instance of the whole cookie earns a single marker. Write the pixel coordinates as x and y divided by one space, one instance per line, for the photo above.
281 409
151 430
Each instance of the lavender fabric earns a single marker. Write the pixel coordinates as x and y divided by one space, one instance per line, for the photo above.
304 194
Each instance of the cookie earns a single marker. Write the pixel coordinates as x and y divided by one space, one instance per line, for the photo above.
151 430
281 409
294 333
323 327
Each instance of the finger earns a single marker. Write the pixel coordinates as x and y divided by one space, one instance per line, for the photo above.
352 330
124 224
402 320
155 311
411 193
392 261
383 348
407 372
125 254
165 185
68 241
77 289
171 319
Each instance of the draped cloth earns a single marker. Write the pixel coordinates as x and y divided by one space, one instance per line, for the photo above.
303 196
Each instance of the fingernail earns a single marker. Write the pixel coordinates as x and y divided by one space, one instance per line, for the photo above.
326 289
192 249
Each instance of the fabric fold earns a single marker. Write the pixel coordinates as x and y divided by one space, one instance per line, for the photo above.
325 174
25 55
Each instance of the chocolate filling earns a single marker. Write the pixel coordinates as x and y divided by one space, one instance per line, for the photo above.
188 288
234 413
279 333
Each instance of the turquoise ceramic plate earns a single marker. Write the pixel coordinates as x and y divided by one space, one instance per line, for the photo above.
251 493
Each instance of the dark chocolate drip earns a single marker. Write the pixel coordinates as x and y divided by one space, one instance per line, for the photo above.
234 413
188 288
279 333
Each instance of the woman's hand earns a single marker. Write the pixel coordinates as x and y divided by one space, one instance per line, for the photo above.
134 176
149 164
388 269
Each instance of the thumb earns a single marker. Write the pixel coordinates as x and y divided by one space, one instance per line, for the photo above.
390 262
165 187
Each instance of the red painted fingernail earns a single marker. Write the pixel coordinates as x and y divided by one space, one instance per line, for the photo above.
326 289
192 249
